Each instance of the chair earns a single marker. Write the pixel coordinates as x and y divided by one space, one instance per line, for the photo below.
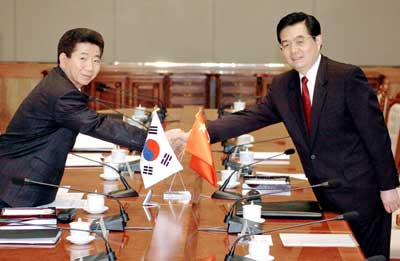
234 87
145 90
187 89
266 82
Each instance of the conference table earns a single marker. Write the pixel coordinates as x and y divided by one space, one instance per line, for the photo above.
175 229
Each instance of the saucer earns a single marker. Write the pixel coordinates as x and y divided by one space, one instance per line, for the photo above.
107 177
80 241
267 258
128 158
261 220
95 212
237 183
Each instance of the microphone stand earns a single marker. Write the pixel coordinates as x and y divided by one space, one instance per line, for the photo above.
222 194
115 223
122 193
352 215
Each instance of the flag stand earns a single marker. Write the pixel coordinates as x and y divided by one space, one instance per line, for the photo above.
182 195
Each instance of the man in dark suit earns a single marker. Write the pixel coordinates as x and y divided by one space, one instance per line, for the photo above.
333 118
45 126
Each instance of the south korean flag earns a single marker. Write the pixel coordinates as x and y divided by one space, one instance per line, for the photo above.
158 160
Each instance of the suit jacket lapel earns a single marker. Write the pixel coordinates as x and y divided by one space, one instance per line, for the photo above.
319 97
296 104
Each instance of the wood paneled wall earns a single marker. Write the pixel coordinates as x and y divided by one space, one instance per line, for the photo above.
18 79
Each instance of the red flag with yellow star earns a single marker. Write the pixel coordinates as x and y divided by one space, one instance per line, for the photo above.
199 146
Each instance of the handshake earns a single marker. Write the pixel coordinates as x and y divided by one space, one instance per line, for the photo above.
177 138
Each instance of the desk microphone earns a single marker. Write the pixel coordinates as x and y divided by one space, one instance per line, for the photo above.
114 223
235 223
122 193
222 194
348 216
102 87
109 255
107 104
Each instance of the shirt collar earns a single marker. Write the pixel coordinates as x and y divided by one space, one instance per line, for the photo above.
312 73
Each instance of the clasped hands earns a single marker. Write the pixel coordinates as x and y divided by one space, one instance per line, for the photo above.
177 138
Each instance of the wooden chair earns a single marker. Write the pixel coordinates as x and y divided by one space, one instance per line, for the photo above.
145 90
187 89
234 87
265 80
114 85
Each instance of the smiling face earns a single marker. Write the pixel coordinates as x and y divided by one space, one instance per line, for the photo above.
299 48
83 65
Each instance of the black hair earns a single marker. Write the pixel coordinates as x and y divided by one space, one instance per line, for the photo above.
312 24
72 37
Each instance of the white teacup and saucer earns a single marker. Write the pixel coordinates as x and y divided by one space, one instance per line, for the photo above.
95 204
77 234
110 173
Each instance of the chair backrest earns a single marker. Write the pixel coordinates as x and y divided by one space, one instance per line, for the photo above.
393 125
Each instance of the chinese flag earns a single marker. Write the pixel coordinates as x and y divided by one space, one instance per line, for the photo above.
199 146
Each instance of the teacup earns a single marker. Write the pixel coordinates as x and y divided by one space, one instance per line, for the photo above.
239 105
252 212
245 139
225 173
118 155
79 225
95 203
140 112
258 248
246 157
110 172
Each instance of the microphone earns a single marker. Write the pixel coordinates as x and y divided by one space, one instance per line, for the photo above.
122 193
348 216
114 223
235 223
222 194
109 255
102 87
107 104
229 150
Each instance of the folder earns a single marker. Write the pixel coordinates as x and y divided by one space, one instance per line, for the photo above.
30 236
288 209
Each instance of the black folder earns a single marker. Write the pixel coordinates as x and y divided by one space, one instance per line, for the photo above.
288 209
30 236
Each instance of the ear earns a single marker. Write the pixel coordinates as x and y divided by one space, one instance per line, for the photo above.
63 59
318 40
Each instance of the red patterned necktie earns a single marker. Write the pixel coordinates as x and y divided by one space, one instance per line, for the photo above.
306 102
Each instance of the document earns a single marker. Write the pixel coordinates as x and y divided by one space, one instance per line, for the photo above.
301 176
87 143
74 161
317 240
67 200
279 160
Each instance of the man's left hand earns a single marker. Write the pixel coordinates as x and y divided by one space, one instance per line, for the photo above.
391 200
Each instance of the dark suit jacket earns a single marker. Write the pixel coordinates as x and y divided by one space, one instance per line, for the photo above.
348 141
43 131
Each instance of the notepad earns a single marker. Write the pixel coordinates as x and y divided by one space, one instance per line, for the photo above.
317 240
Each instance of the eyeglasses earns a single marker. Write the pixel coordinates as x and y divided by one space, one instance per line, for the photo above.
299 41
